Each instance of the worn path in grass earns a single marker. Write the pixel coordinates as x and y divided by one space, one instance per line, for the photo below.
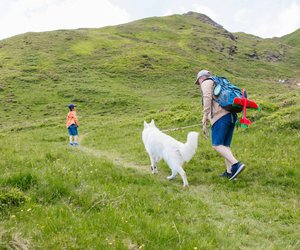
116 159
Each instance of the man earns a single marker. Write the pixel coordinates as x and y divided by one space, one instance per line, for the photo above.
222 122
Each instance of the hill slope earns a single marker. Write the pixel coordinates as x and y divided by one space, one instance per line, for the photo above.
101 194
156 50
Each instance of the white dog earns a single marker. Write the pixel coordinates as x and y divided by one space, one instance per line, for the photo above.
161 146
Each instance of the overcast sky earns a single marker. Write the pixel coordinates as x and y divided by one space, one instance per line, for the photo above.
264 18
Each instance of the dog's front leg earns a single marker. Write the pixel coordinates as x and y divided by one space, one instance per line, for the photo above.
154 169
153 165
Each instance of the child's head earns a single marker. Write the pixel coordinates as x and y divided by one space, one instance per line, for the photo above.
71 106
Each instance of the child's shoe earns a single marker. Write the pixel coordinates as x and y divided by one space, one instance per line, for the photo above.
76 144
71 144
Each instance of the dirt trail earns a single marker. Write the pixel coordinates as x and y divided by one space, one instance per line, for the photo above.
116 159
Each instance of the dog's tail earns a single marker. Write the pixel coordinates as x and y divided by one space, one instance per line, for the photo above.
189 148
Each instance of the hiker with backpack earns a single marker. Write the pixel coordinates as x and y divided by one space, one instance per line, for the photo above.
215 96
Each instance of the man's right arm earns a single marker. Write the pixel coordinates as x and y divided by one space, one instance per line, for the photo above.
207 94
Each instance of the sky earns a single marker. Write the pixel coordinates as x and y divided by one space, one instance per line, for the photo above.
263 18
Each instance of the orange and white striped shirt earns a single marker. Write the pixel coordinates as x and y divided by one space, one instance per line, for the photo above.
71 119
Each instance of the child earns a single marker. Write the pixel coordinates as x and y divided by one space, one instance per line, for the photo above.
72 124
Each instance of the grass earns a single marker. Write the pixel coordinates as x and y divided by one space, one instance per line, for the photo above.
102 195
77 198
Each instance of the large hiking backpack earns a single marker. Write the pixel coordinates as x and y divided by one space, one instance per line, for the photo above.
224 94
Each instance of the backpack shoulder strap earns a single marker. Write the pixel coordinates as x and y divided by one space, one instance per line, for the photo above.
211 78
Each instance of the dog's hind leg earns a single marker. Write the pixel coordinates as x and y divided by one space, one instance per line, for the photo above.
173 175
183 176
176 165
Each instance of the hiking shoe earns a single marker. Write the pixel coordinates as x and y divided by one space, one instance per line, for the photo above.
76 144
236 169
71 144
226 175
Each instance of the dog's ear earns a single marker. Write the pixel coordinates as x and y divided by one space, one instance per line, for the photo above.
152 122
145 123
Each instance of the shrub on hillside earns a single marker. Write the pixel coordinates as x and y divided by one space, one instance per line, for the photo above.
11 198
23 181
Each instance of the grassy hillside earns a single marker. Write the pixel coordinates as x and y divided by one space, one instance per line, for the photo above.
102 195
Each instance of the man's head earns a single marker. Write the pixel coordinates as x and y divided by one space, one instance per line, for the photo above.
202 75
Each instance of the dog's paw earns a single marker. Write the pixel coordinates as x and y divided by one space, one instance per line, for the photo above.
154 169
171 177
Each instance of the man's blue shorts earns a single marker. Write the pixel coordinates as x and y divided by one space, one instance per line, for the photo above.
222 130
73 130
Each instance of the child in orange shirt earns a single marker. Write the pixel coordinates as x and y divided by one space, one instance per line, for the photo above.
72 124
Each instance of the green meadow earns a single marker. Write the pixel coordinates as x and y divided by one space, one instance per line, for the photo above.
102 195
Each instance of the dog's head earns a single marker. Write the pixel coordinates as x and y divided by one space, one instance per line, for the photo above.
149 125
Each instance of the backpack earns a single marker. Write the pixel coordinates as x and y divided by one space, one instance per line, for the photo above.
224 94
